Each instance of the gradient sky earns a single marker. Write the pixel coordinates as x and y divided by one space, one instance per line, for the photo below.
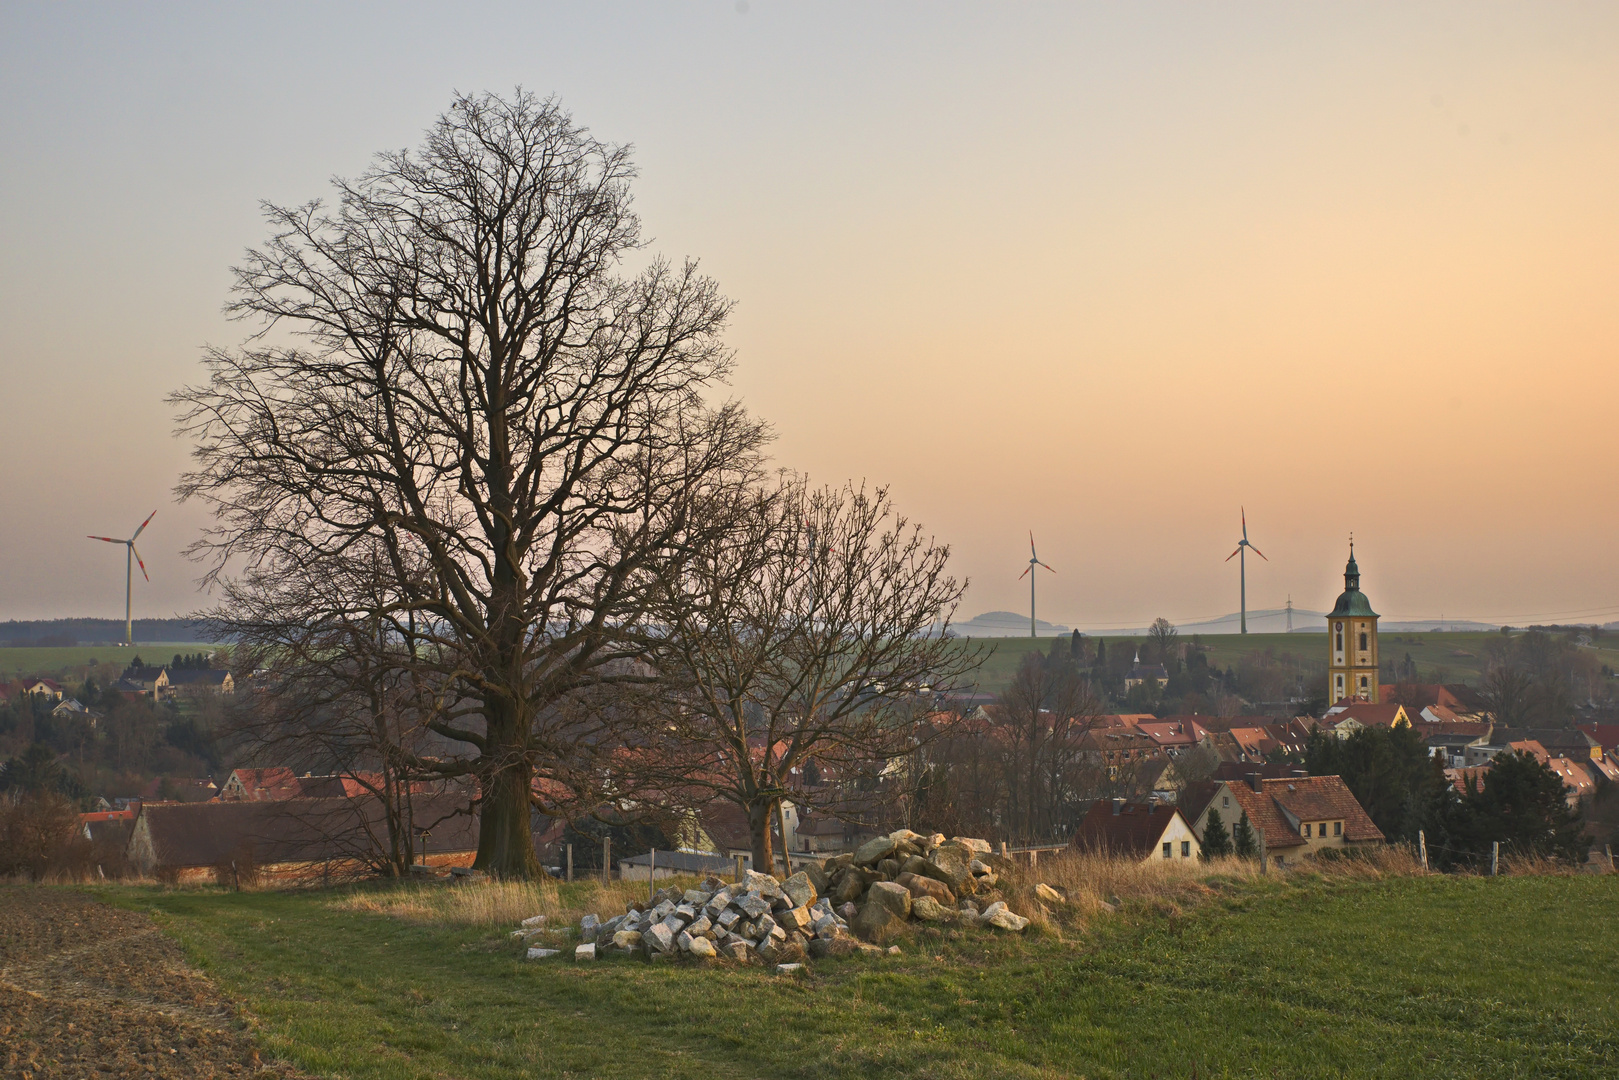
1107 272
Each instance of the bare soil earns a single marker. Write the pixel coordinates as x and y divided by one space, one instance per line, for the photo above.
92 991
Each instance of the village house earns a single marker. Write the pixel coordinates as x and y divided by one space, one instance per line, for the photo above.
1146 831
1346 718
1293 817
45 688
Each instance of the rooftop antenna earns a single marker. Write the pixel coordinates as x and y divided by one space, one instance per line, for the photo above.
1242 550
131 557
1028 571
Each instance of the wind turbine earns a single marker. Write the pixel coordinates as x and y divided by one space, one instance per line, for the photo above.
1242 545
1028 572
131 557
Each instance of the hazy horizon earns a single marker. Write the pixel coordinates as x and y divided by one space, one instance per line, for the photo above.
1107 273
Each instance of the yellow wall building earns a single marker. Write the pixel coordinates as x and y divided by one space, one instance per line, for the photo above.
1352 642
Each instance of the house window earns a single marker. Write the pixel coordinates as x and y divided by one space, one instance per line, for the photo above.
1225 800
1167 848
1337 828
1186 849
1307 832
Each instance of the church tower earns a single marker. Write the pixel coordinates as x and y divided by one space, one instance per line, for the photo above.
1352 642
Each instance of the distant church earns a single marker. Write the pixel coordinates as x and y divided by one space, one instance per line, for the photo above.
1352 640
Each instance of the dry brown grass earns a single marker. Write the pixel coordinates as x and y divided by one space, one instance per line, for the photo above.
1093 882
499 903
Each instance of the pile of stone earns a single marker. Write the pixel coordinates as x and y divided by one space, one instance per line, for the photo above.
854 903
907 876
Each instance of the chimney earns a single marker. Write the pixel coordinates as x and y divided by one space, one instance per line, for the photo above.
1253 781
1301 772
1118 807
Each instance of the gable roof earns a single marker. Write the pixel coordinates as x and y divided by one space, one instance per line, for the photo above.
1605 735
1135 830
1263 815
1196 796
1322 798
292 830
1385 714
1574 777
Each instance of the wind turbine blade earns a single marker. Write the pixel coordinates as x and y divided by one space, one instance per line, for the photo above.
1233 555
1032 554
138 559
148 521
1048 568
1025 573
1261 554
1245 524
108 539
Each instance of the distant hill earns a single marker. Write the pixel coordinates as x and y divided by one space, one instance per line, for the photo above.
1005 624
57 633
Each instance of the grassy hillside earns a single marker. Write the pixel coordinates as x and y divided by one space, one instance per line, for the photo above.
1400 977
53 662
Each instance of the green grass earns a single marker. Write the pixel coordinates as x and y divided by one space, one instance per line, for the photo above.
52 662
1400 977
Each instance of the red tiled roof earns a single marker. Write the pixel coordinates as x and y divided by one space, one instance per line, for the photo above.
1263 815
1369 715
1134 830
1606 735
1573 776
1323 798
1460 778
1532 748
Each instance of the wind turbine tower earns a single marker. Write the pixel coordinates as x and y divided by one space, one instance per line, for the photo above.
1289 611
1241 555
131 557
1034 561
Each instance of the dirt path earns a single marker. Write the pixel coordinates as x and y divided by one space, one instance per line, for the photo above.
91 991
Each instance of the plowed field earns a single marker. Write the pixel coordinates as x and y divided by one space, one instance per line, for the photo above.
91 991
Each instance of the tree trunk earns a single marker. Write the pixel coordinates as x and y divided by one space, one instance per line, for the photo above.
505 843
759 830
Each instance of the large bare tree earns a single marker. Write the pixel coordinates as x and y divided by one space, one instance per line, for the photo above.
813 633
452 365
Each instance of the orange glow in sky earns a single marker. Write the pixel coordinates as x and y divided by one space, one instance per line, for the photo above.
1104 272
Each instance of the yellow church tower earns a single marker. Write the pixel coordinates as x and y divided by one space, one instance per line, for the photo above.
1352 641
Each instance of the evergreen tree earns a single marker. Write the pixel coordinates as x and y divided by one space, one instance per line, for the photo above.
1216 841
1245 844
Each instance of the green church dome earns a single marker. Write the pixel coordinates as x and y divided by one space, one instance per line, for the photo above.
1352 601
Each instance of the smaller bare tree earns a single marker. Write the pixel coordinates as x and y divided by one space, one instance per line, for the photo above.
813 632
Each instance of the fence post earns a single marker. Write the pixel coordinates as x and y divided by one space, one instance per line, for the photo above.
739 869
1422 849
1607 853
1003 849
607 859
1495 857
1264 855
651 874
570 862
1034 858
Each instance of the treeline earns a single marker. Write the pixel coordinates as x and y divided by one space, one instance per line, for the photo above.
1520 803
117 748
59 633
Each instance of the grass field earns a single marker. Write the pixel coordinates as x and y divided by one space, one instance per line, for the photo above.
51 662
1459 656
1398 977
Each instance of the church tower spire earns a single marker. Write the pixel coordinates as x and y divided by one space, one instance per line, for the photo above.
1352 664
